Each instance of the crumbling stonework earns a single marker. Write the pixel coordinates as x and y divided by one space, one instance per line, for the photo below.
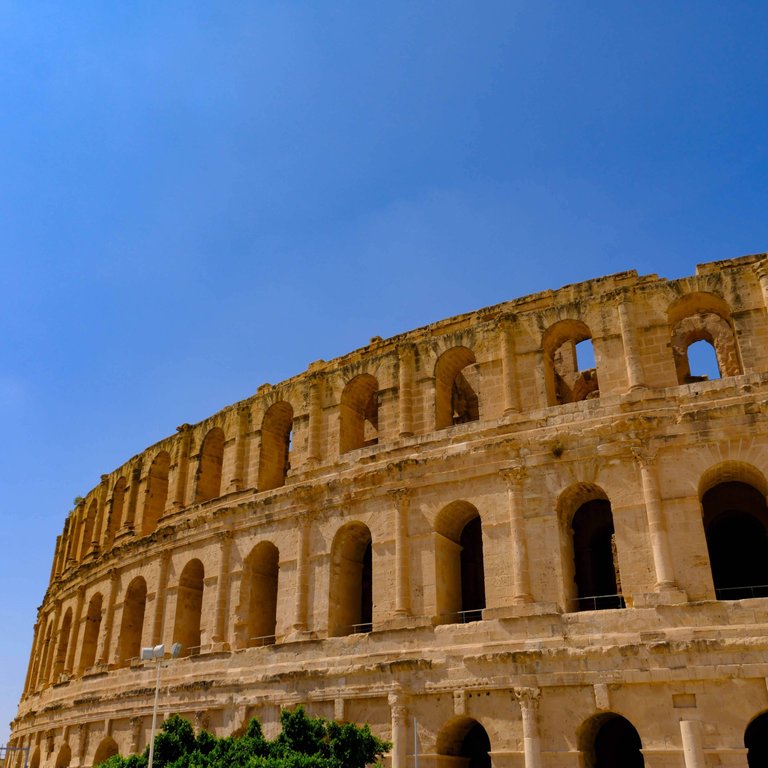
460 531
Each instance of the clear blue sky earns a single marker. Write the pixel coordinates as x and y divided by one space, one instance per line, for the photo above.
196 198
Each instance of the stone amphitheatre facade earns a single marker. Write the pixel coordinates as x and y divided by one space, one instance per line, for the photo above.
492 552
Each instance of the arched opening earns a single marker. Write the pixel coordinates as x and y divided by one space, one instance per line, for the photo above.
87 540
35 760
45 668
209 468
569 360
274 460
359 413
157 492
106 749
459 568
701 323
116 512
596 565
466 741
189 607
64 756
736 528
91 633
351 588
60 661
39 676
132 623
611 741
456 388
259 596
756 742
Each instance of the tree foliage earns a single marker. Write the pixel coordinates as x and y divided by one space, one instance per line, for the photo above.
303 742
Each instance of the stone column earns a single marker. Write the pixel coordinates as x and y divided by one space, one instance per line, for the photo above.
137 726
529 707
399 714
693 750
105 635
239 479
314 450
157 619
629 340
69 662
100 527
222 591
514 476
508 368
405 389
182 466
761 268
50 656
402 570
32 655
133 498
662 560
300 622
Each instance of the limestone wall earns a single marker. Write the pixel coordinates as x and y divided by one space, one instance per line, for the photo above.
461 525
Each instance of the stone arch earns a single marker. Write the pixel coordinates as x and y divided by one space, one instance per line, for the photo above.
60 661
189 607
117 505
456 388
756 741
107 748
359 413
609 740
705 317
465 741
64 756
274 459
45 666
459 567
38 677
258 597
210 465
157 492
564 381
89 522
91 632
591 565
733 471
34 761
132 622
350 604
735 517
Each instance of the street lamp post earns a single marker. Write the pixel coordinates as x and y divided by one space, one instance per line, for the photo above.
157 654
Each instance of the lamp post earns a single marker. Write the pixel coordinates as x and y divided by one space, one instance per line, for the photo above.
157 654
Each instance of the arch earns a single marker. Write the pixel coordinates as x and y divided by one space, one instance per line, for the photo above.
107 748
456 399
64 756
459 568
359 413
39 676
132 623
565 381
350 604
756 741
274 459
609 740
116 511
35 759
210 466
731 471
259 594
592 566
45 667
189 607
701 316
91 632
465 740
736 528
59 663
157 492
87 541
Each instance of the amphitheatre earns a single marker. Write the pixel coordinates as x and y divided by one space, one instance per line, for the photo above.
493 552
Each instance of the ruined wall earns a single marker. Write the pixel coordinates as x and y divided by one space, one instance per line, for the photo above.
464 525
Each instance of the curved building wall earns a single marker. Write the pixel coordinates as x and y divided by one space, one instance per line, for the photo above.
464 529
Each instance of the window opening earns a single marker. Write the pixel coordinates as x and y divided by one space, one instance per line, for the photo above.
702 362
616 745
472 571
132 622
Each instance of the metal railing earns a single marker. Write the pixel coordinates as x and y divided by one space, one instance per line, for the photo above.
261 641
463 617
599 602
14 757
362 628
741 593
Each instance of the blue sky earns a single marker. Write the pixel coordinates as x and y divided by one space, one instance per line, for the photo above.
199 198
